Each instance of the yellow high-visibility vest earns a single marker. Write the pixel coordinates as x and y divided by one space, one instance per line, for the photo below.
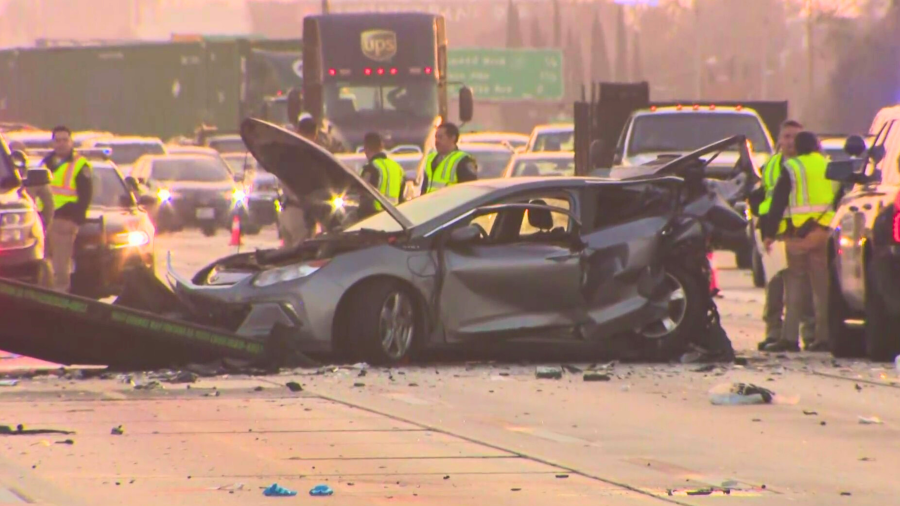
391 180
812 194
445 173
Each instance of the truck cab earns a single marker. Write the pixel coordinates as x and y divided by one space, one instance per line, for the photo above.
383 72
677 130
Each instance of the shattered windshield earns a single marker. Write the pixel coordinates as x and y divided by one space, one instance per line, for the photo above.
424 209
347 101
685 132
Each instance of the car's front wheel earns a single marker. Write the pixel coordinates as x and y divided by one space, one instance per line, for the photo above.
384 322
687 300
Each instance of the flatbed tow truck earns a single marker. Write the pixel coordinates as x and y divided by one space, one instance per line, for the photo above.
619 129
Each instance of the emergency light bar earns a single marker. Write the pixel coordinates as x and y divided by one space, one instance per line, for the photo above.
696 107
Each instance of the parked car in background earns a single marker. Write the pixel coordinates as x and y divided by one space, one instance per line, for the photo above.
127 150
864 302
554 137
491 158
192 190
833 145
226 143
118 235
530 164
21 230
515 141
260 188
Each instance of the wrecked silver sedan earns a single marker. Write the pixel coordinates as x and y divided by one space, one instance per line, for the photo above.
562 257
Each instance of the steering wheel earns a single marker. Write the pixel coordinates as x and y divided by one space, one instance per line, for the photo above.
482 232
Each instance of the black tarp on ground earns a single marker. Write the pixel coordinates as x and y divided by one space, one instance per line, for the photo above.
73 330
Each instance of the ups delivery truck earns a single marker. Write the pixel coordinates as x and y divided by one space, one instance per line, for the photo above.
384 72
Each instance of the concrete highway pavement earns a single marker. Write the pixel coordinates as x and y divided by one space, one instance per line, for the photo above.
465 433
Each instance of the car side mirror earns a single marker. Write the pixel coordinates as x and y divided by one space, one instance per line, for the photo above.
37 177
845 171
464 235
19 160
466 104
132 183
855 146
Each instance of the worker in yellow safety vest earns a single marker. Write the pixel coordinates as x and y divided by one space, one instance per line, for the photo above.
773 310
800 214
72 186
447 165
381 172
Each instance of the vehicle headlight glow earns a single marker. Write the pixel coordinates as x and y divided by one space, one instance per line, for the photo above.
131 239
164 195
289 273
338 202
16 228
238 195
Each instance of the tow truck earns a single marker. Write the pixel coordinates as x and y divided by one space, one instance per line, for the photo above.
621 129
384 72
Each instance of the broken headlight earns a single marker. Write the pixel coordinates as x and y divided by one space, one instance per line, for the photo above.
289 273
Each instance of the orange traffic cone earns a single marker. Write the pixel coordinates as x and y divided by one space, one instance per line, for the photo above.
235 231
713 278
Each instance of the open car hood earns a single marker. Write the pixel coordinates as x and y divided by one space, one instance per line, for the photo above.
305 168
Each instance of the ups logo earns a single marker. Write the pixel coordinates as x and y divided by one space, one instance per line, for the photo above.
379 45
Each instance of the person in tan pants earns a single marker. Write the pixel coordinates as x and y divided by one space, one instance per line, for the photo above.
72 185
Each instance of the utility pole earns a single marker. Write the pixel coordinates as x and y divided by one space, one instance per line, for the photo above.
325 7
698 55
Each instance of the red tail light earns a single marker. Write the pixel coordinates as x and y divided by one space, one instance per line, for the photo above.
332 72
367 72
897 218
393 71
428 70
381 71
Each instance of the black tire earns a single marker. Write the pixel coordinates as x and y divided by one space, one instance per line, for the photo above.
744 257
846 341
882 338
758 270
362 325
696 303
86 284
208 230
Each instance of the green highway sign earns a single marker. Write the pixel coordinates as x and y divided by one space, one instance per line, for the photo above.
508 74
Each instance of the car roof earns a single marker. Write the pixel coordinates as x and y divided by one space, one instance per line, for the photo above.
129 139
555 181
224 137
494 135
178 156
483 146
674 109
27 134
546 155
554 127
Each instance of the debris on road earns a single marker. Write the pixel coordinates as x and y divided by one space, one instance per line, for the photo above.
293 386
549 373
739 394
66 442
6 430
810 413
870 420
596 376
359 384
183 377
321 490
8 383
276 490
150 385
571 369
117 431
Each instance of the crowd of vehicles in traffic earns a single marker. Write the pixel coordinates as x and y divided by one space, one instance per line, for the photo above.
147 187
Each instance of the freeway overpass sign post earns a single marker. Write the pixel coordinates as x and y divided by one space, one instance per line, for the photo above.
506 75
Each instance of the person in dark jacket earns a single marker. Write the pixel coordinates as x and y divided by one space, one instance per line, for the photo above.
71 183
379 164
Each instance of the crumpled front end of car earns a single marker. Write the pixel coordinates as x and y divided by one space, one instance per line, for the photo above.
252 304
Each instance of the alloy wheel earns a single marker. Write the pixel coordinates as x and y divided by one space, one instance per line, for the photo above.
396 325
677 309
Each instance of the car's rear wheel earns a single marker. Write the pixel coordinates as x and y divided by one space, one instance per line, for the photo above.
687 298
208 230
759 272
846 341
384 320
882 328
